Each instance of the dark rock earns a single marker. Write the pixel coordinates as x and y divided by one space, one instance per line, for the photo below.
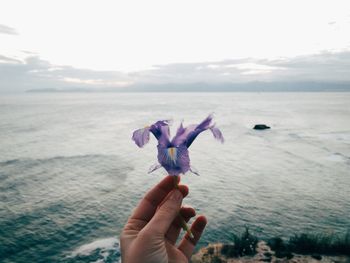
229 250
261 127
265 259
277 244
216 259
316 256
289 255
284 254
268 254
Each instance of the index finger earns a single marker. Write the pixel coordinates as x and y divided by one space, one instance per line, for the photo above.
148 205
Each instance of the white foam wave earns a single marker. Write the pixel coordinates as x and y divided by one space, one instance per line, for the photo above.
105 245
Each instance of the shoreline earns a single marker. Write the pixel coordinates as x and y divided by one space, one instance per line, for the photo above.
213 254
298 248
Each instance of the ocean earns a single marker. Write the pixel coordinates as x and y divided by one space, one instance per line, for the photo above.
70 174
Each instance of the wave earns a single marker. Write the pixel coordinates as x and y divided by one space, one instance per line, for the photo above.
338 158
58 158
105 250
43 169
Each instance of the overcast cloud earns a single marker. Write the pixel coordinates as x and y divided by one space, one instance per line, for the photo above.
7 30
36 73
135 44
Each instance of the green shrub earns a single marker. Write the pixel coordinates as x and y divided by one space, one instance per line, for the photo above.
245 244
211 251
341 245
276 244
312 244
216 259
228 250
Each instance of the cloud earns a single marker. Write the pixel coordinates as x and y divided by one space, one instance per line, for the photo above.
322 67
36 73
4 59
7 30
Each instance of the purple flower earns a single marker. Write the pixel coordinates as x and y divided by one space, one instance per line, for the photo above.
173 154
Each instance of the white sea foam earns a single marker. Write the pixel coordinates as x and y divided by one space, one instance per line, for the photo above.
105 245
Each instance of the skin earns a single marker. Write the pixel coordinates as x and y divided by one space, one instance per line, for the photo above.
151 232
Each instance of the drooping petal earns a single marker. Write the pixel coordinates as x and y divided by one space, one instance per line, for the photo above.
161 131
204 125
175 160
217 134
141 136
154 167
182 133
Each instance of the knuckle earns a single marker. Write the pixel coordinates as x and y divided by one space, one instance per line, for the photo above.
168 209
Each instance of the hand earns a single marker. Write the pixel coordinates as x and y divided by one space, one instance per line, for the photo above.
151 232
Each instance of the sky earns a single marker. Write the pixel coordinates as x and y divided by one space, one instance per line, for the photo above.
120 43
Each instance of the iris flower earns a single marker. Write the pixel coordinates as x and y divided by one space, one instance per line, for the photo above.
173 154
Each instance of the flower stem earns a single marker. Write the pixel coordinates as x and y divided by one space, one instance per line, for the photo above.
182 220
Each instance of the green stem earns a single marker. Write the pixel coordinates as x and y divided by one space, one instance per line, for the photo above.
182 220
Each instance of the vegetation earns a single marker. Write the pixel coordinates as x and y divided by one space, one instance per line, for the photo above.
243 245
281 251
330 244
211 251
310 244
216 259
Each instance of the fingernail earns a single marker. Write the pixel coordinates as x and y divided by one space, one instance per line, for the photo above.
175 195
202 223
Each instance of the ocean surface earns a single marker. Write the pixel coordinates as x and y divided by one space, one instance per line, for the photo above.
70 174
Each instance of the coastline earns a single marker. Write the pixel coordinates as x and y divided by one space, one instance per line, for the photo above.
213 254
297 249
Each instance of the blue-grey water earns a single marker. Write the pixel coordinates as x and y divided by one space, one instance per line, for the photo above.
70 174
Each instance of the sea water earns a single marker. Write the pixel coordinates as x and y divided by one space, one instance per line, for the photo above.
70 174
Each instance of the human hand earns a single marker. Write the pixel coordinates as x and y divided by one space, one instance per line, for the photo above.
151 232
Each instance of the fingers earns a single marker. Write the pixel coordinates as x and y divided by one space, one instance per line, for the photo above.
188 244
182 188
148 205
175 228
165 215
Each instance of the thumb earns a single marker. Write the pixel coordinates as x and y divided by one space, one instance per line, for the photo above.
166 214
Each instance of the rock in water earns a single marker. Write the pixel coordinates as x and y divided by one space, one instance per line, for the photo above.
261 127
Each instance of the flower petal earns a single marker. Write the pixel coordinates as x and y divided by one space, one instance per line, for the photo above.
175 160
182 133
141 136
161 131
204 125
217 134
